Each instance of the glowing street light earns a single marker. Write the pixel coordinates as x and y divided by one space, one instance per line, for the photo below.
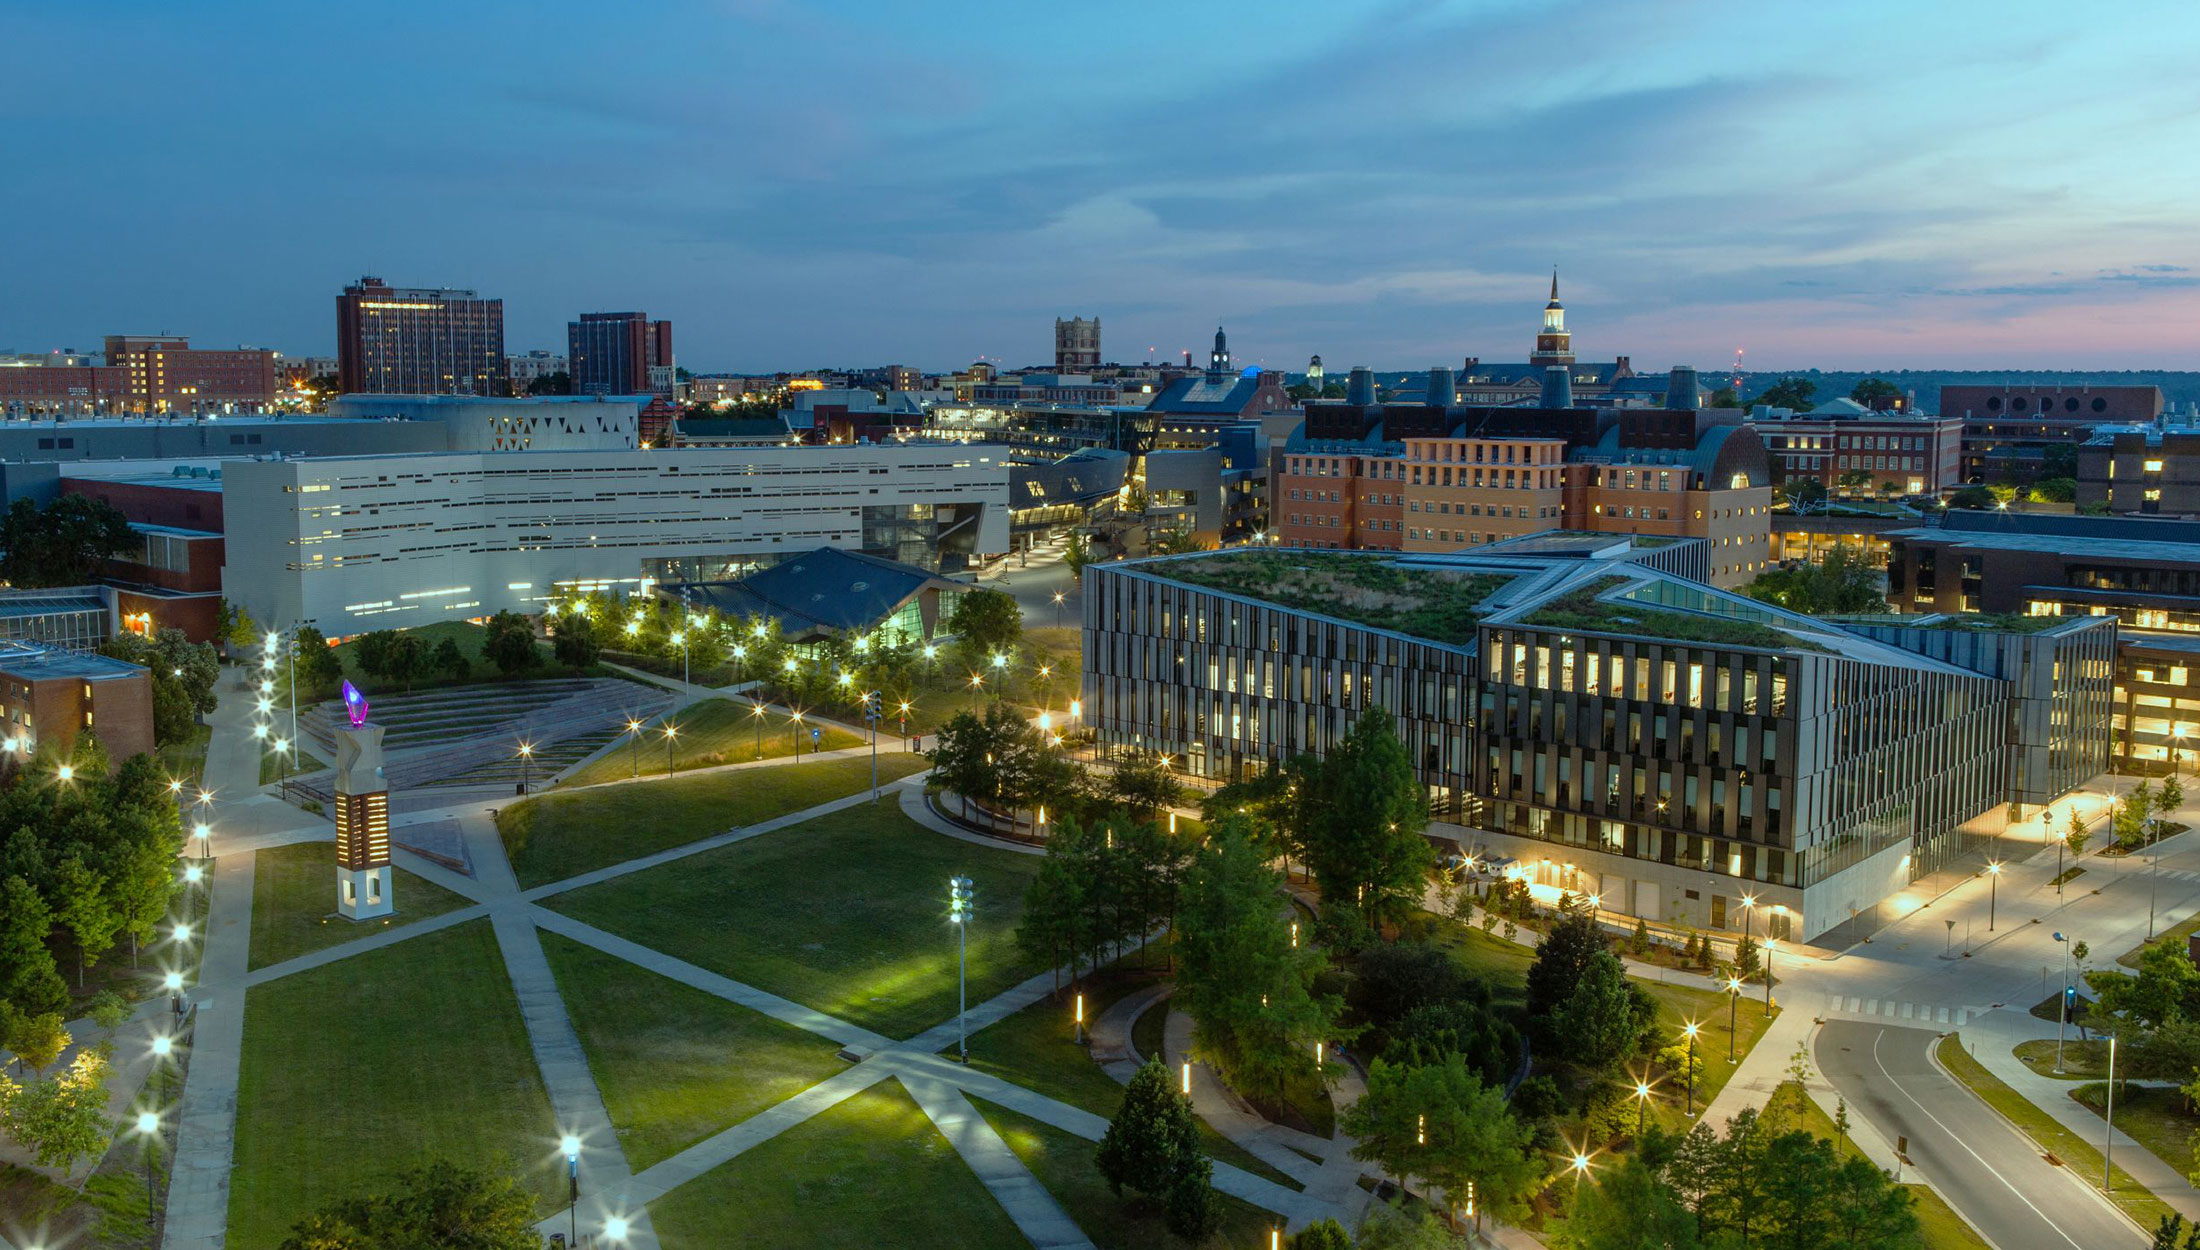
163 1046
1058 597
1642 1104
756 713
148 1127
572 1147
1690 1030
1733 998
634 744
672 731
614 1228
960 901
67 772
1993 891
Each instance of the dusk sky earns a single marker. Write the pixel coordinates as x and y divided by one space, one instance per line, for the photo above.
1855 185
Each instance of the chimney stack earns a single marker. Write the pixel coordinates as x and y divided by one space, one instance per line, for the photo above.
1558 387
1680 389
1359 387
1441 389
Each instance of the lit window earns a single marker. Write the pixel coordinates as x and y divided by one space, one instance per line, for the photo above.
2154 466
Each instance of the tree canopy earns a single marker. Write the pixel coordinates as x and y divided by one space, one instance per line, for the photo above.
66 543
1790 393
1364 817
1248 987
1843 583
437 1206
182 675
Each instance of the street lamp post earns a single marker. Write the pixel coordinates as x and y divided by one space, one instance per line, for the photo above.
1642 1106
958 910
2062 1003
148 1127
756 713
1690 1030
526 766
634 744
2154 872
2108 1128
672 731
572 1187
794 724
871 700
1771 945
1733 1001
1058 608
1993 892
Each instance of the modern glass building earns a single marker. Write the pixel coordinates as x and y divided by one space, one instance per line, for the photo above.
1607 726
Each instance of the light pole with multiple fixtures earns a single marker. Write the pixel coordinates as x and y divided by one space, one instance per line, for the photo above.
959 895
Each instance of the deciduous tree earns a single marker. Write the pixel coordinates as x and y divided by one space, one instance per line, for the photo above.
1364 842
439 1204
510 644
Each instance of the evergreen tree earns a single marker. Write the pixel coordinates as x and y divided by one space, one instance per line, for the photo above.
1565 953
1440 1123
1364 844
1322 1234
450 661
1248 990
1605 1019
1153 1141
575 642
510 644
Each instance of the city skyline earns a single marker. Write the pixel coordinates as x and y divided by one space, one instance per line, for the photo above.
1389 186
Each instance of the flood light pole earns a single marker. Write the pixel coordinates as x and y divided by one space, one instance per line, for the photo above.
958 913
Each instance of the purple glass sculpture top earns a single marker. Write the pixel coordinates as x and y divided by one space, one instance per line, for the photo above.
355 705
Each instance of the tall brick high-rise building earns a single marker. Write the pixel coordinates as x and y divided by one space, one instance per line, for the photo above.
614 353
419 341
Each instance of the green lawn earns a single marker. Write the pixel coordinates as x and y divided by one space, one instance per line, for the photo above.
2080 1157
846 913
676 1064
871 1172
294 903
356 1070
110 1213
2156 1118
1034 1048
185 758
1066 1164
564 834
2176 933
709 732
275 766
2082 1061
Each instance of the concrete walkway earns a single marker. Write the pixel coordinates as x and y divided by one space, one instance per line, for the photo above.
1035 1212
917 807
1992 1040
206 1117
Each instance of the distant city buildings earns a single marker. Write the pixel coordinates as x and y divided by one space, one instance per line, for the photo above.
620 353
1440 477
1076 344
1222 391
1853 450
349 544
166 374
1492 383
535 366
419 341
2011 432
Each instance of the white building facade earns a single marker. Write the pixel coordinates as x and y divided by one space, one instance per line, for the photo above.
358 543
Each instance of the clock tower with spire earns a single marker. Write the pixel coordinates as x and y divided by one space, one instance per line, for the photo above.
1554 346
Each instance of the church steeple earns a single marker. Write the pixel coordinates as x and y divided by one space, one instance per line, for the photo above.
1218 364
1554 346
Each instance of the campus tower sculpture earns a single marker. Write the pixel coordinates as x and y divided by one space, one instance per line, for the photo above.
363 886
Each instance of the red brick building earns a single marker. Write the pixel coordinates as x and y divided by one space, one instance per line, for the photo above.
1896 453
163 374
175 578
49 696
72 390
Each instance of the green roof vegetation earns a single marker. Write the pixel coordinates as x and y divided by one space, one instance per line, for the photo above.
1582 610
1433 603
1992 622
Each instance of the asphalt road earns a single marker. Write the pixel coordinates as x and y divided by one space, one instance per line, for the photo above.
1991 1173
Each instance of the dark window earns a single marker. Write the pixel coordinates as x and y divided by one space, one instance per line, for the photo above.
2017 404
2099 404
1993 403
2070 404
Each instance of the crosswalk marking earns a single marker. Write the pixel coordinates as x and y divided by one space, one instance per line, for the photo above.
1923 1013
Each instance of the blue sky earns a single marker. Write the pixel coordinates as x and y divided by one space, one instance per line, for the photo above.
1956 184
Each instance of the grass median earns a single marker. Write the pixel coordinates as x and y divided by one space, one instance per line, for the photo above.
867 1173
564 834
354 1071
710 732
846 913
2049 1134
294 903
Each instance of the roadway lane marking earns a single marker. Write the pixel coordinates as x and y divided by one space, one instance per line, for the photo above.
1958 1138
